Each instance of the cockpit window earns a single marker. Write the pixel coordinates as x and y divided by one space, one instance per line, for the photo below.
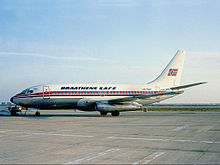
23 92
27 91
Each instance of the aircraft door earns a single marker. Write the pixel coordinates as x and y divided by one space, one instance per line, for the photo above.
157 89
46 92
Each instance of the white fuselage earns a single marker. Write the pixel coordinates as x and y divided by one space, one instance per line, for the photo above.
107 98
68 96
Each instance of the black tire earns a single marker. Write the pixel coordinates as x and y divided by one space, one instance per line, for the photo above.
13 113
103 113
115 113
37 113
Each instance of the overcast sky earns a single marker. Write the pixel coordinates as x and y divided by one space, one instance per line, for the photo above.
110 41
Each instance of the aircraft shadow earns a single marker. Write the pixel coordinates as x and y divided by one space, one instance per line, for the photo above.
62 115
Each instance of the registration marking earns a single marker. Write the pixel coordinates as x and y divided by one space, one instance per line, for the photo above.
149 158
91 157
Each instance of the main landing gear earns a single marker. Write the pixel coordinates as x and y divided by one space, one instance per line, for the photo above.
114 113
37 113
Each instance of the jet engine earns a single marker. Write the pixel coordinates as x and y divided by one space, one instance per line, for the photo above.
110 108
86 105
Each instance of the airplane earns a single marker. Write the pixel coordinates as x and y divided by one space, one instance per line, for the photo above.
107 98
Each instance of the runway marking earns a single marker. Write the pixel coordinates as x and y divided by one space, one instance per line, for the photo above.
149 158
208 142
184 141
171 140
132 138
34 134
14 137
91 157
55 134
180 128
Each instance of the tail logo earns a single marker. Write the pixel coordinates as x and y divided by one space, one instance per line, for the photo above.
172 72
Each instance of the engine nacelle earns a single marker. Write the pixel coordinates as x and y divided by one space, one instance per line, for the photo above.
111 108
86 105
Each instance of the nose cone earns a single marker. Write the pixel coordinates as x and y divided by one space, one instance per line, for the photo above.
15 100
12 99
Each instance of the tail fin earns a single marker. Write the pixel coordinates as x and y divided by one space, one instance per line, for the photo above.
172 74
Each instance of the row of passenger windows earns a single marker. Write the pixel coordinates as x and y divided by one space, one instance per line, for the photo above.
104 92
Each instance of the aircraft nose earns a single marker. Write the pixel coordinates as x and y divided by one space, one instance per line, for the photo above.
12 99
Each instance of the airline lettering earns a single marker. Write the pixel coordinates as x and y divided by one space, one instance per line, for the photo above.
88 88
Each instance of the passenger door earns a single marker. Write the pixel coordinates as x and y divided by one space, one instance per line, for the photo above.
46 92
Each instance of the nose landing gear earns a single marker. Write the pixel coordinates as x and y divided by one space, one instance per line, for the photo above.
15 111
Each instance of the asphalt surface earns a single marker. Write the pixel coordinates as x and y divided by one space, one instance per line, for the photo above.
67 137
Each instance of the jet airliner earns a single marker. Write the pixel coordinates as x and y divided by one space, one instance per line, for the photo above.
107 98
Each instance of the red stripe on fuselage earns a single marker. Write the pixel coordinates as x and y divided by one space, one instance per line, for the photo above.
95 93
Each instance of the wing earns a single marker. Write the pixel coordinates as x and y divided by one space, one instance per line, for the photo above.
134 98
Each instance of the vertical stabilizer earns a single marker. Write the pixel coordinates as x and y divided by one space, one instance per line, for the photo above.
172 74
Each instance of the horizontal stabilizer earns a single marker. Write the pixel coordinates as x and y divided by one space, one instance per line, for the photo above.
187 86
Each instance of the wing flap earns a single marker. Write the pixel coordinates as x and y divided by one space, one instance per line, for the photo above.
134 98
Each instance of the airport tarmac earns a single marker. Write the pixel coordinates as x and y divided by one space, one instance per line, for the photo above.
67 137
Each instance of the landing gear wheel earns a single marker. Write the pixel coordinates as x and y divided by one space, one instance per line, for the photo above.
37 113
115 113
103 113
13 113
